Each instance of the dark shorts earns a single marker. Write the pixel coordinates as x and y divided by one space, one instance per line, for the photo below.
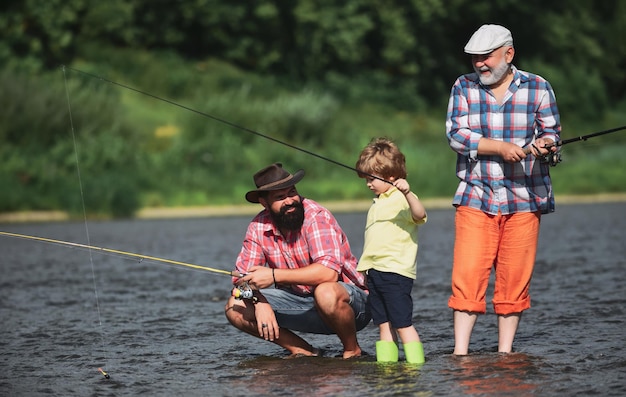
298 313
390 298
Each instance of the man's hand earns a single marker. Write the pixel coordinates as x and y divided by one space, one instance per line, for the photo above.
258 277
541 147
266 321
511 153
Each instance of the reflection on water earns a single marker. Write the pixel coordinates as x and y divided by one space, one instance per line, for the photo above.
271 376
515 374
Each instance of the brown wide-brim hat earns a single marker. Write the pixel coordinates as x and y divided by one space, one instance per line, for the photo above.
272 177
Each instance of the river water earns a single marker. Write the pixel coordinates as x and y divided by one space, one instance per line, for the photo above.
159 329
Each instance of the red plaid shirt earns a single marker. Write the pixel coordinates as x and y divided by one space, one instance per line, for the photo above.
320 240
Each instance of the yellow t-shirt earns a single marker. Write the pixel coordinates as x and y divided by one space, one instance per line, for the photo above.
390 243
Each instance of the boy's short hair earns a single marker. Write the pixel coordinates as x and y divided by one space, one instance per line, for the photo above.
381 157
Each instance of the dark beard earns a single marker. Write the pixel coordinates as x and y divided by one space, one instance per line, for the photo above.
292 221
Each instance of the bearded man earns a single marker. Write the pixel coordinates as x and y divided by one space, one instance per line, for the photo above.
297 262
500 122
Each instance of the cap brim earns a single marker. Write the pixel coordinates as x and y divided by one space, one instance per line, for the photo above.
477 52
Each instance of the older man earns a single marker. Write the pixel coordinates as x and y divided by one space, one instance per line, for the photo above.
500 121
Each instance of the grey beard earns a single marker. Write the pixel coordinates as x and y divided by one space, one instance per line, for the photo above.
497 74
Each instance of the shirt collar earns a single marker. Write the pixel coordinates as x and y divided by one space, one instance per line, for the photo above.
388 193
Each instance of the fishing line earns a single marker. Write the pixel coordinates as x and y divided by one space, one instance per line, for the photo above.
223 121
82 199
115 252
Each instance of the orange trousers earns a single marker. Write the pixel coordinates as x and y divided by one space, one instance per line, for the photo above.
505 243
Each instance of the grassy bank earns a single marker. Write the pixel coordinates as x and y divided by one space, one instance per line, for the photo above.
213 126
251 209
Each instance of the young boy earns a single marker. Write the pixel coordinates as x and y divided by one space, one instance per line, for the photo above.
390 249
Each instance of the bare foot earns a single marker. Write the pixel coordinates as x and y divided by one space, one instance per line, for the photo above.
352 353
314 353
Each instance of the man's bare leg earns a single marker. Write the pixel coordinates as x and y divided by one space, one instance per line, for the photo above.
333 305
463 326
241 315
507 327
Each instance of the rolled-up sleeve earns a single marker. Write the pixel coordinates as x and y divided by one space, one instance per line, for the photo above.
548 119
461 138
324 242
251 253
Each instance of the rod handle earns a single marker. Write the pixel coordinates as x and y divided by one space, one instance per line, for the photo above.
527 150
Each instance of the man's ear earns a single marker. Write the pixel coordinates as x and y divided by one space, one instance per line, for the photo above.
264 202
509 54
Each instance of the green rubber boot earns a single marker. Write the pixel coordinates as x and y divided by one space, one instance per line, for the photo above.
414 352
386 351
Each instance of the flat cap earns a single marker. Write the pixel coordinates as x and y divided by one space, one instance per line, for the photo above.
488 38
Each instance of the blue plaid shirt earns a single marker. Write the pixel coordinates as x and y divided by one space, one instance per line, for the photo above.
528 112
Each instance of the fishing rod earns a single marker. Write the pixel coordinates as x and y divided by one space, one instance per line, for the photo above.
223 121
242 291
555 158
233 273
585 137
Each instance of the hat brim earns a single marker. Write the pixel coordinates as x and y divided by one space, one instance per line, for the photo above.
253 195
479 52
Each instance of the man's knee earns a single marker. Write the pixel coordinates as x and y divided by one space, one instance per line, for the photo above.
234 311
331 290
329 296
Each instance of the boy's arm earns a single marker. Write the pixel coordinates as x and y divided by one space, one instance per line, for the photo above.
418 212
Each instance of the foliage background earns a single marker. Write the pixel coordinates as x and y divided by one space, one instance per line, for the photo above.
325 76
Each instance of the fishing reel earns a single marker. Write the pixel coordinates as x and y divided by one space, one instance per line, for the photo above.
244 292
551 158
